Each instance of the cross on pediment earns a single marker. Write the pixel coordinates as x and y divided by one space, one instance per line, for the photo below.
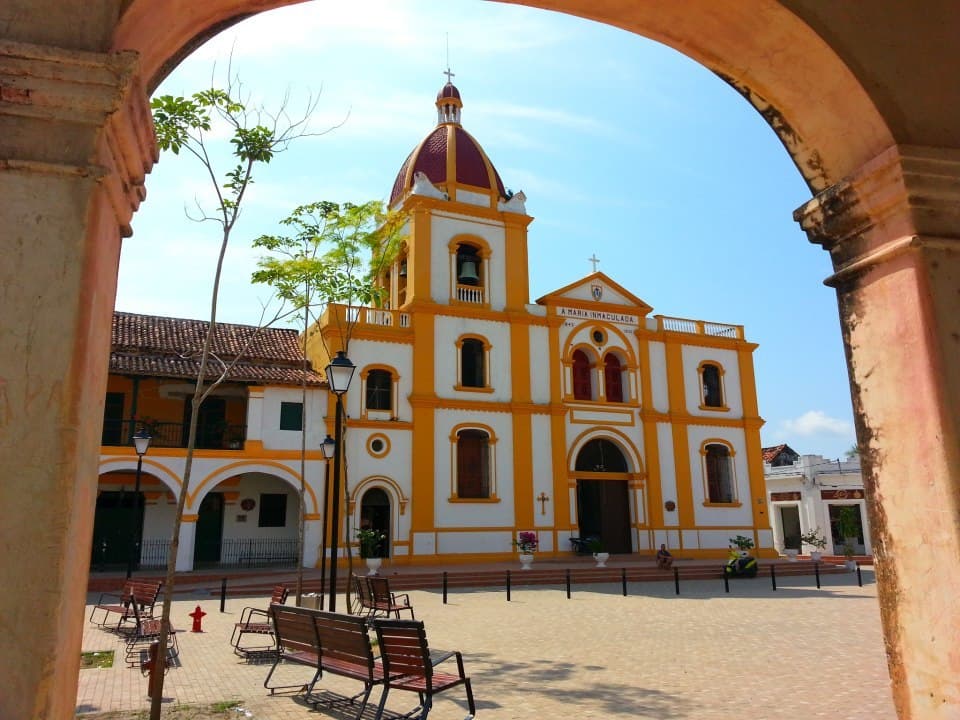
595 260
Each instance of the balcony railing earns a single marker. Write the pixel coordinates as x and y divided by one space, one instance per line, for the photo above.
341 315
470 294
232 552
699 327
210 436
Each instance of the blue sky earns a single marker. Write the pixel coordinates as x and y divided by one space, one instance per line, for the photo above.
623 147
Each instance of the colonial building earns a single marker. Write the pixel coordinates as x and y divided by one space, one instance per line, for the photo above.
477 415
243 499
807 492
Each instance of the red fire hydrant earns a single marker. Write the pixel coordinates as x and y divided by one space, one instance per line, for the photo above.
197 616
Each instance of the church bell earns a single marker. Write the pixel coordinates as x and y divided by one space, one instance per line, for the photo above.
468 271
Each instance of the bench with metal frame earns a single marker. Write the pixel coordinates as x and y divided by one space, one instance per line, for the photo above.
257 621
408 665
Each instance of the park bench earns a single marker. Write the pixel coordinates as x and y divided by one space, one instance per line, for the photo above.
326 642
363 600
409 665
257 621
385 602
146 631
141 593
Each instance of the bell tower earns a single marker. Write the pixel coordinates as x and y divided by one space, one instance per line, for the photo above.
466 234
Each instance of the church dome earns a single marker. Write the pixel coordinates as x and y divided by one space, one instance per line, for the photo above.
451 159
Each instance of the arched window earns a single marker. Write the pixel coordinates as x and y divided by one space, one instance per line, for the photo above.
712 387
473 464
582 382
472 370
612 378
719 469
601 455
379 390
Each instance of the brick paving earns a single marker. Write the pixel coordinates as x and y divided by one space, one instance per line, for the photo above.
797 653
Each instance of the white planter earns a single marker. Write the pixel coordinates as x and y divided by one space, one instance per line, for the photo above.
815 555
601 558
851 565
791 554
525 560
373 565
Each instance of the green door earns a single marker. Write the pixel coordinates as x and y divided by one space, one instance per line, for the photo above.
116 529
206 547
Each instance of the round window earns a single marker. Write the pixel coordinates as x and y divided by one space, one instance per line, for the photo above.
378 445
599 337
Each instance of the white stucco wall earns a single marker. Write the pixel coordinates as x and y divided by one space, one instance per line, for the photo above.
446 362
540 361
658 376
444 227
314 413
724 515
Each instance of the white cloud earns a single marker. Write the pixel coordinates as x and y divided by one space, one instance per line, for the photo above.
814 422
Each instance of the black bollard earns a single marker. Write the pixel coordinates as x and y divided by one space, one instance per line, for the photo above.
623 580
726 580
508 586
859 577
444 587
676 579
773 576
568 583
223 594
816 572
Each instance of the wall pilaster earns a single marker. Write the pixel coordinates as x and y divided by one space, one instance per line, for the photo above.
76 140
893 232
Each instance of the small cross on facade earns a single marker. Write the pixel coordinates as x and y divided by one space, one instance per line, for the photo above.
595 260
542 497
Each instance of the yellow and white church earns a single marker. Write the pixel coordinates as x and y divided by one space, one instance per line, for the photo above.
479 414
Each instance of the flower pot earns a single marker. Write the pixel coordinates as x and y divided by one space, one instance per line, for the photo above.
791 554
373 565
815 555
525 560
850 564
601 558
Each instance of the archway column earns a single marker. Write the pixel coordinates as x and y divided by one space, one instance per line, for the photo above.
76 141
187 543
893 231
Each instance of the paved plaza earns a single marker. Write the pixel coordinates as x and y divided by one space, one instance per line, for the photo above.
797 653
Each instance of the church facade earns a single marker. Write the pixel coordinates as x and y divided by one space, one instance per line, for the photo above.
476 415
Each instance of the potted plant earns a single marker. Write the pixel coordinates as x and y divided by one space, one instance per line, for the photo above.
849 528
815 539
526 544
371 545
596 547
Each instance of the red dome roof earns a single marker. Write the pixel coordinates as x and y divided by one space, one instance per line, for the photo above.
448 91
471 165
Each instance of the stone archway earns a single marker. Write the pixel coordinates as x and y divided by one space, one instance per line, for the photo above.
866 122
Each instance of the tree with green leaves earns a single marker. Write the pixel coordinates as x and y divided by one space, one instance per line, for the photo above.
192 125
334 255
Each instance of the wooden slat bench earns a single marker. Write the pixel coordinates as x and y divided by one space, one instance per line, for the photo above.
143 592
328 642
257 622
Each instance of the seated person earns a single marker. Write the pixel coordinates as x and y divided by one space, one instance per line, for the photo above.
664 558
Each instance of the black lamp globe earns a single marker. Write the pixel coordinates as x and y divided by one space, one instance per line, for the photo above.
328 446
340 373
141 441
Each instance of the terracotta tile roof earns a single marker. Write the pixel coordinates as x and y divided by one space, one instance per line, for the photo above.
770 453
150 345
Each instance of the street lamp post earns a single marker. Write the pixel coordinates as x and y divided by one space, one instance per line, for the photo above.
339 375
328 446
141 442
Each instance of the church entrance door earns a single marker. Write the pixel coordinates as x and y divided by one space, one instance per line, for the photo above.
603 512
375 514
